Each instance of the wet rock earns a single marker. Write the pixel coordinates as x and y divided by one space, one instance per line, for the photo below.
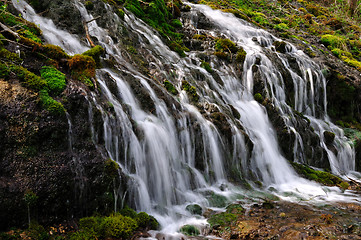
194 209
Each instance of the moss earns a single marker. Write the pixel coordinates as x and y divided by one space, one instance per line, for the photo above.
29 79
28 34
176 23
241 55
146 221
4 71
95 53
310 52
111 168
189 230
222 219
54 52
89 5
352 62
333 41
280 46
216 200
235 209
318 176
191 91
54 107
206 66
170 87
118 226
259 98
83 69
281 27
199 37
178 48
8 56
55 79
120 12
194 209
222 55
226 45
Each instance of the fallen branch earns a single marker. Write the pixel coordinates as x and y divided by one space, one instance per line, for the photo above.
96 18
7 29
87 34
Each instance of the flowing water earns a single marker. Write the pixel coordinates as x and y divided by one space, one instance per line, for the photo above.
172 153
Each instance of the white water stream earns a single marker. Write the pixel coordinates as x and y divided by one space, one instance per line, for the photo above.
162 162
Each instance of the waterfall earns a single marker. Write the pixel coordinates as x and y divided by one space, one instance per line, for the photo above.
172 152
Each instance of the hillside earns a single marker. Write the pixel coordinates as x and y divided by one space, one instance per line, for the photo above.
119 109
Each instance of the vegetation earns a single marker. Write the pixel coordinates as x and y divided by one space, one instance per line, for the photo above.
189 230
170 87
54 79
320 176
191 91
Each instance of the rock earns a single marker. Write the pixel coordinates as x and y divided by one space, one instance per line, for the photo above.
194 209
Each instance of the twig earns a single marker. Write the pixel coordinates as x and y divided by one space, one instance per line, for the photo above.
87 34
7 29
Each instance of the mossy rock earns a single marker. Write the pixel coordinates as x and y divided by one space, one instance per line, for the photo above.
241 55
194 209
189 230
329 137
55 79
118 226
226 45
191 91
259 98
222 219
170 87
280 46
95 53
206 66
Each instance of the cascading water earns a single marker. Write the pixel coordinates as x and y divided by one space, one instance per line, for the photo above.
172 153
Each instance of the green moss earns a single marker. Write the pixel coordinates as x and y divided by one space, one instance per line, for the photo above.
176 23
120 13
178 48
28 34
333 41
146 221
259 98
194 209
111 168
235 209
222 55
55 79
54 52
206 66
170 87
191 91
226 45
189 230
281 27
222 219
128 212
241 55
83 69
4 71
8 56
95 53
318 176
29 79
54 107
118 226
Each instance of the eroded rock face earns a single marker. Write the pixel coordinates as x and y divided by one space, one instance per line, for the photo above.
35 155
